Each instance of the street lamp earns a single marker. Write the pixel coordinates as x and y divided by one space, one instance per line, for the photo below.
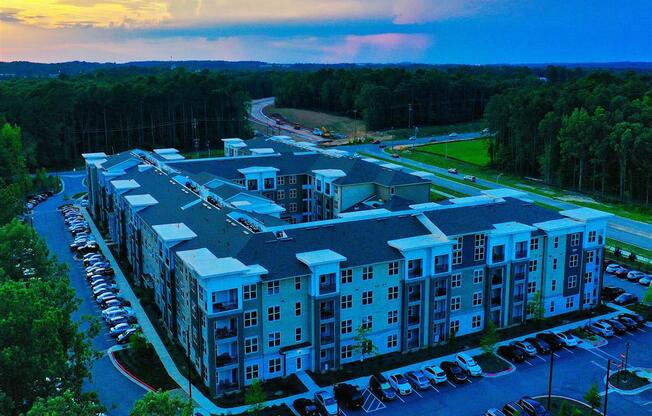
552 360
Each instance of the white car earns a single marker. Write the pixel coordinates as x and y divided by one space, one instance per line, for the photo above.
602 329
568 339
122 311
452 135
435 374
612 268
468 364
452 170
645 280
400 384
327 403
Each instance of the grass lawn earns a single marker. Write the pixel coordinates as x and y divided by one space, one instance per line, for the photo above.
490 363
626 380
282 410
203 154
79 195
425 131
644 310
312 119
147 367
629 247
556 402
475 151
441 189
274 389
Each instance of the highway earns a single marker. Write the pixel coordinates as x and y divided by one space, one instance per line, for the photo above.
622 229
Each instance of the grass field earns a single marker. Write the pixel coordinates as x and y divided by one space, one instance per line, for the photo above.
312 119
147 367
425 131
475 152
203 153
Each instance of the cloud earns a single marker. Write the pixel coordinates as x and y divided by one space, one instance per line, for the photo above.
422 11
382 47
9 15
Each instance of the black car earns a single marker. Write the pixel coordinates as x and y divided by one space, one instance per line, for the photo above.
532 407
619 328
305 407
552 340
512 353
635 317
625 299
348 395
453 371
611 292
629 323
513 409
379 386
542 346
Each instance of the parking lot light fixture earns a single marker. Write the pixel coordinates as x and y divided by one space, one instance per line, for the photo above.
552 360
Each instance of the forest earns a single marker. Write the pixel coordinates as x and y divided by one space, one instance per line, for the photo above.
592 134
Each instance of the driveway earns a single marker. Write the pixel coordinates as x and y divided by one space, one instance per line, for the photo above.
116 393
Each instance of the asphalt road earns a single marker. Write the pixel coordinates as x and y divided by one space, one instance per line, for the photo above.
259 117
116 392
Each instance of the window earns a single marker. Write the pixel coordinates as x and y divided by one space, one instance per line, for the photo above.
588 277
292 207
280 180
298 334
457 250
534 244
392 317
367 322
367 272
367 297
292 180
274 365
297 308
574 260
346 276
572 282
346 352
556 242
249 292
477 298
456 303
297 283
575 239
250 318
273 313
570 302
251 345
293 193
552 306
274 339
280 194
299 363
478 276
251 372
273 287
553 284
531 287
392 268
590 255
554 264
478 247
456 280
346 301
591 237
455 326
392 293
533 265
252 184
346 327
392 341
476 321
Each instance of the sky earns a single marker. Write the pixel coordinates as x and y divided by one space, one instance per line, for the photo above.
328 31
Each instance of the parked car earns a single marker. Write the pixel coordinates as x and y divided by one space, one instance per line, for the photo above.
629 323
470 178
434 373
635 317
326 403
376 141
618 328
453 371
635 275
601 328
513 409
348 395
532 407
417 380
610 293
645 280
494 412
527 347
120 329
395 155
612 267
625 299
512 353
541 345
400 384
569 340
106 296
468 364
552 340
453 171
380 386
117 320
621 273
305 407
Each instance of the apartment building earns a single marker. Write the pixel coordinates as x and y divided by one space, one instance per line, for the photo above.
258 292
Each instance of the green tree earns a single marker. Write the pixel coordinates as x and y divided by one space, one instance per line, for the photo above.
363 344
592 397
12 202
12 158
21 248
67 404
255 396
647 297
536 306
138 344
490 337
160 404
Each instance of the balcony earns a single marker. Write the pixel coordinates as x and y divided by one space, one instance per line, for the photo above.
497 258
225 332
326 313
326 339
225 359
518 298
440 292
414 273
496 280
224 306
496 301
414 320
439 315
521 254
325 289
519 275
441 268
415 296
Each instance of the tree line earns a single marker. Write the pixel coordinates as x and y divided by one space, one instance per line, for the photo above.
592 133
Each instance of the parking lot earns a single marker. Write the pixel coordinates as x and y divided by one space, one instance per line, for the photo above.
115 391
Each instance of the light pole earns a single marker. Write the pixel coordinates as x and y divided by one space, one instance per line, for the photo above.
355 125
194 136
552 360
626 359
606 389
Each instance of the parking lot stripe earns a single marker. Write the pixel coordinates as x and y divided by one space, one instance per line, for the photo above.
569 350
417 393
527 362
449 382
618 336
398 396
341 411
609 355
541 358
598 365
435 389
556 355
469 380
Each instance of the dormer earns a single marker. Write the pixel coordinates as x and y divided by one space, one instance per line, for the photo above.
325 268
259 178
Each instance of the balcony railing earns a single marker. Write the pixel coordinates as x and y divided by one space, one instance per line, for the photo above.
496 281
224 306
225 359
441 268
326 288
440 291
519 276
415 273
439 315
497 258
326 339
326 313
521 254
518 298
496 301
414 297
413 320
225 332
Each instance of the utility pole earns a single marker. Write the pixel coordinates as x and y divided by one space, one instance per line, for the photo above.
606 389
195 139
355 124
208 147
552 360
410 116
